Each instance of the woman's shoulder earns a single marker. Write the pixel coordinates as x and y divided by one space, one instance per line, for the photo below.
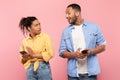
45 34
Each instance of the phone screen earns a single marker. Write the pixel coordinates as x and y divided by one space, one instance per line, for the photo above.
84 51
23 52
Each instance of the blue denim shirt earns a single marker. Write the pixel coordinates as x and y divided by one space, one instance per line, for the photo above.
93 37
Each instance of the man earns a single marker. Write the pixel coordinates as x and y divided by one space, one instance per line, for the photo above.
81 35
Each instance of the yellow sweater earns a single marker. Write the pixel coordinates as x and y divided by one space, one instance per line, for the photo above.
41 44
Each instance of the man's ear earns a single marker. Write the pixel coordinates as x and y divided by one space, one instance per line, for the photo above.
77 13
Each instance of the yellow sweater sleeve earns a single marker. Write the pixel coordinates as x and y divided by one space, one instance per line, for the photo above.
21 49
48 52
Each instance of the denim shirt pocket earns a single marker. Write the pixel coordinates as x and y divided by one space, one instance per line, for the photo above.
91 38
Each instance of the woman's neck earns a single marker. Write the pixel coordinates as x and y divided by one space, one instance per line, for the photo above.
32 35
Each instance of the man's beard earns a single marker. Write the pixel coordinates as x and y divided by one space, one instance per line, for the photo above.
74 21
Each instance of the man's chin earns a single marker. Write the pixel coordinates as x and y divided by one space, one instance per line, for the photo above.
72 23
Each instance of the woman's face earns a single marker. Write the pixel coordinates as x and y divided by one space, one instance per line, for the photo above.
35 28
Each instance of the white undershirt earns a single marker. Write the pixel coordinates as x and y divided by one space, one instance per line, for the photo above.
79 42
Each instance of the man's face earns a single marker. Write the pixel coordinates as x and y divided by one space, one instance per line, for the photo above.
71 15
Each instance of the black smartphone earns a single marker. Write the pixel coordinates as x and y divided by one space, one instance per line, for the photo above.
23 52
84 52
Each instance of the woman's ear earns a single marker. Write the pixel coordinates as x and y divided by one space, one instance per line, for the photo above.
29 29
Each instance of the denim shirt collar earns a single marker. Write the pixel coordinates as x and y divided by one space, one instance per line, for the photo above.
72 26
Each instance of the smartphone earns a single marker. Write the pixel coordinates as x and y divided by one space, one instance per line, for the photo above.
23 52
84 52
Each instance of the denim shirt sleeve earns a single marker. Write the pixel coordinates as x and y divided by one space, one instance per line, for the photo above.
93 36
66 41
99 37
62 44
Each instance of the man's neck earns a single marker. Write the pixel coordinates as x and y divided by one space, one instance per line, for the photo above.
79 21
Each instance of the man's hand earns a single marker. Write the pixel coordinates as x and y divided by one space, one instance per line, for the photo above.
80 55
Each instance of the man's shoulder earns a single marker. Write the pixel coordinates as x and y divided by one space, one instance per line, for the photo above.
68 27
89 23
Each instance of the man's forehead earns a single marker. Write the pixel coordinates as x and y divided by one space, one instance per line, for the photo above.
69 9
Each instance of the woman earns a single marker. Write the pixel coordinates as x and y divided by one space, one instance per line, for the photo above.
35 50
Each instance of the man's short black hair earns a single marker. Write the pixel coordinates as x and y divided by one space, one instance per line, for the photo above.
75 6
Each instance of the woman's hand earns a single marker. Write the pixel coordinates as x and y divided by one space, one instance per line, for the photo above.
25 58
32 54
30 51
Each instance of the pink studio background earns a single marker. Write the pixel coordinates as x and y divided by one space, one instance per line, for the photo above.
51 14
